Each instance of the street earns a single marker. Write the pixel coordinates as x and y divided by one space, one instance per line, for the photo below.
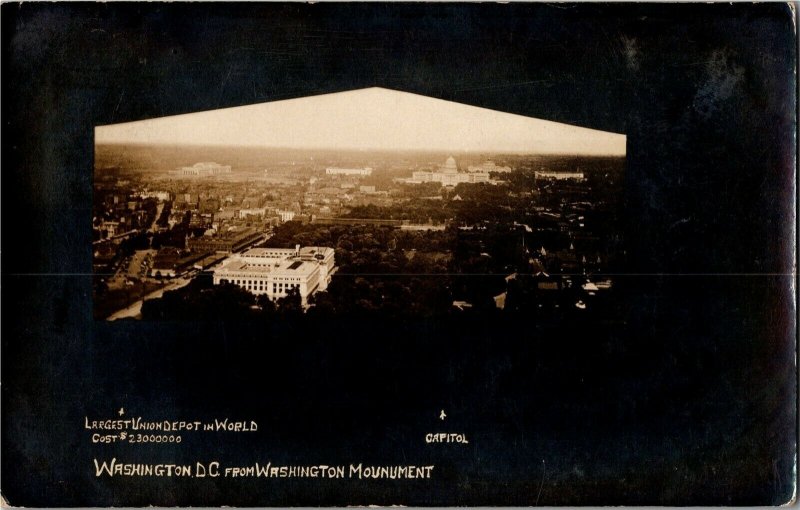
134 311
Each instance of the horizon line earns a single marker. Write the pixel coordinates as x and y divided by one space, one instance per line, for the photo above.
358 149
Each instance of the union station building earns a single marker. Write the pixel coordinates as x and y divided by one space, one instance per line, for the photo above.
275 271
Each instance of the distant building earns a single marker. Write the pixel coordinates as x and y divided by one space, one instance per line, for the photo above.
162 196
279 180
165 262
202 169
208 205
421 176
171 262
228 242
558 176
111 228
197 220
276 271
227 213
447 175
361 172
324 220
324 196
489 166
285 215
423 227
175 218
450 166
254 211
186 201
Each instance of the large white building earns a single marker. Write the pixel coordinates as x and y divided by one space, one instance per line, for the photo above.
252 211
162 196
275 271
203 169
285 215
559 176
363 172
489 166
447 175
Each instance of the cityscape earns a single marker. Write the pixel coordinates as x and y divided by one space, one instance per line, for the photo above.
185 231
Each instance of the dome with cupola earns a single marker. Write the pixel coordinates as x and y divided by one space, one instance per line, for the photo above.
449 166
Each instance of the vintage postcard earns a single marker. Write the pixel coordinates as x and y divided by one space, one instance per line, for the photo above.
418 254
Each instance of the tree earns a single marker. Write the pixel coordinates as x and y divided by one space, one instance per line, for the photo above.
101 288
292 302
266 304
322 305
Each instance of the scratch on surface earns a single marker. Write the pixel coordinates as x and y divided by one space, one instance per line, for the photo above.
500 86
541 484
119 102
680 222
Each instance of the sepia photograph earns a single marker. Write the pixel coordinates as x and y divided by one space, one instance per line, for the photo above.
372 199
432 254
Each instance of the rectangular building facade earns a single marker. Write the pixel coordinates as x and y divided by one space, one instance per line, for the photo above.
448 179
362 172
276 271
226 243
559 176
202 169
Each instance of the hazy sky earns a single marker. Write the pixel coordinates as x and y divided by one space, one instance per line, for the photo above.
373 118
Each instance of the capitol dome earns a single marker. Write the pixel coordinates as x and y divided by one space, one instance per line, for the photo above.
449 166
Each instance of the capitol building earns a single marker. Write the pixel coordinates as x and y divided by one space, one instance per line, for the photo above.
448 175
